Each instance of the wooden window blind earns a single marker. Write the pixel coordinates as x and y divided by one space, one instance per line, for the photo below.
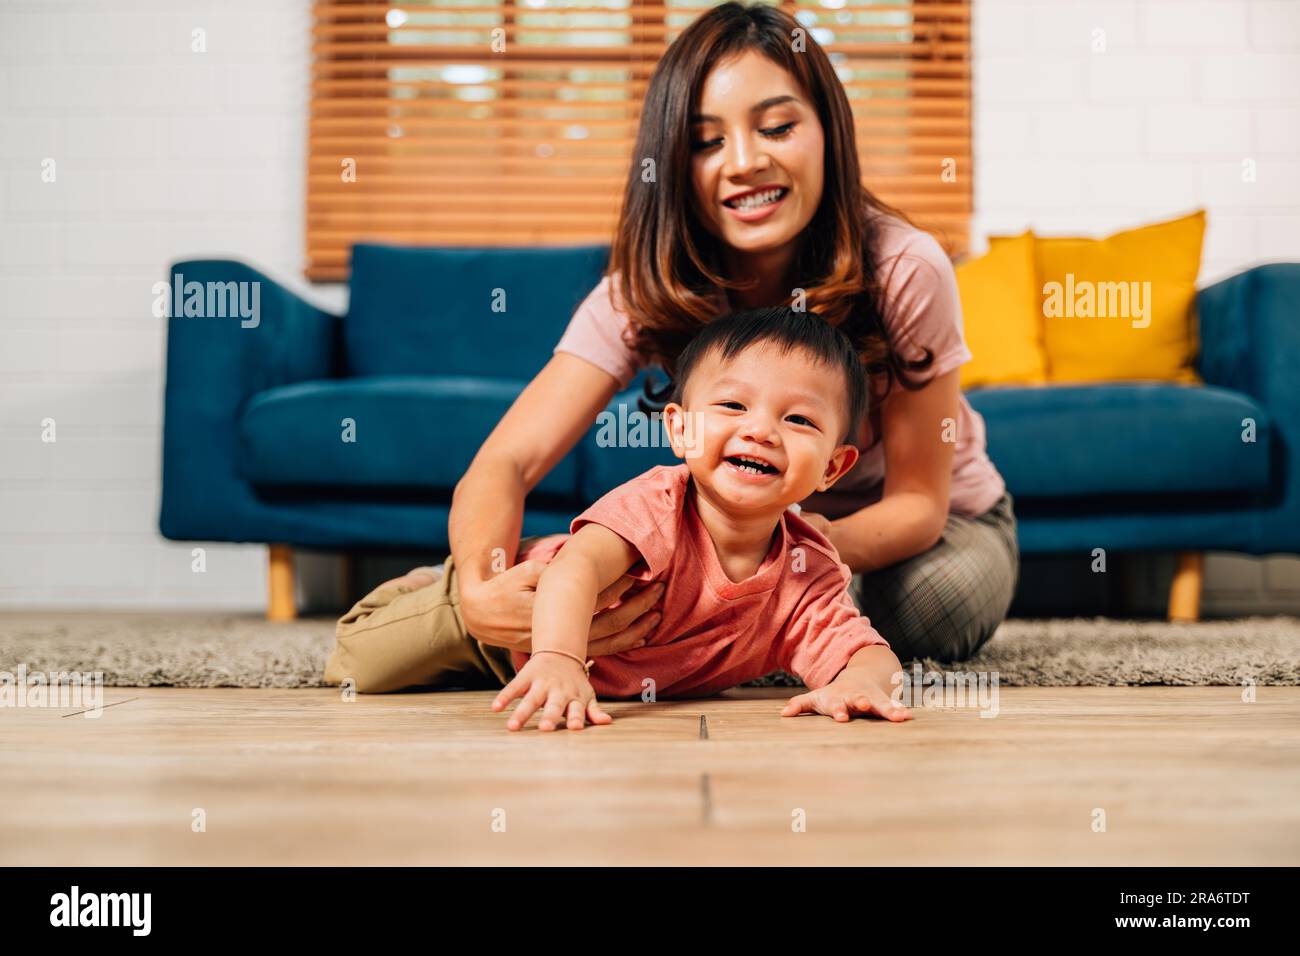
421 134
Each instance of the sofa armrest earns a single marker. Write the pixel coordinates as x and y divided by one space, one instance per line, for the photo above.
1250 332
245 338
1250 342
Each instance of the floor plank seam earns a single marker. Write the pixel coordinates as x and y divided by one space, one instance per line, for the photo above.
105 707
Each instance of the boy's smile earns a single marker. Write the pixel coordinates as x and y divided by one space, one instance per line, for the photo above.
752 467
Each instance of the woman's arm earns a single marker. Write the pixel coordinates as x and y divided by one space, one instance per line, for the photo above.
544 423
919 434
541 427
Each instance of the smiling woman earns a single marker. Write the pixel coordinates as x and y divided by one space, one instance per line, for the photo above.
770 130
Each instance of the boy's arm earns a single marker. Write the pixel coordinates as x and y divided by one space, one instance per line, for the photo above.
591 560
847 665
865 687
826 631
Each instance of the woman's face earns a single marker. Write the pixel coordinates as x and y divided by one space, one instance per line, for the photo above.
754 129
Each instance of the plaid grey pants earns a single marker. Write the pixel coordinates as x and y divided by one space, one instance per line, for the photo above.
944 603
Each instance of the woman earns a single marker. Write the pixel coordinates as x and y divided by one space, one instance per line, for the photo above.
732 110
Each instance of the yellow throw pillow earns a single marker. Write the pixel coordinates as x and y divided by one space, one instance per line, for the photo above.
1001 316
1121 308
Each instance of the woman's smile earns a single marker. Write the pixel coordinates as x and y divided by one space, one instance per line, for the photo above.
757 205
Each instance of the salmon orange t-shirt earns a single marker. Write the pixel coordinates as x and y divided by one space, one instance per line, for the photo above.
793 614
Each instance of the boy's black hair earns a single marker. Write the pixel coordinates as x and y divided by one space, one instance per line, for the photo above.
789 329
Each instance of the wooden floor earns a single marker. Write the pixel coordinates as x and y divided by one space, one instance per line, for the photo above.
1184 776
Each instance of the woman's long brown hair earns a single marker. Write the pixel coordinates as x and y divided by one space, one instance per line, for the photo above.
668 265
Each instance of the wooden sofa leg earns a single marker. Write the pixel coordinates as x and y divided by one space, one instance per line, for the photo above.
1185 592
280 604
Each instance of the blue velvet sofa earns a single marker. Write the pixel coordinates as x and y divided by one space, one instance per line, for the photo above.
304 429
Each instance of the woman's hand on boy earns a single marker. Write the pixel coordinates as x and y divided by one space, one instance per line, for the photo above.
849 695
557 686
499 611
827 528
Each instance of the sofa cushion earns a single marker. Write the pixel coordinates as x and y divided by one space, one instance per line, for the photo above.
1002 316
1120 308
1131 438
410 432
430 311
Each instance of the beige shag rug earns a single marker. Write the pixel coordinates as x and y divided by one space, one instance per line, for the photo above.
223 650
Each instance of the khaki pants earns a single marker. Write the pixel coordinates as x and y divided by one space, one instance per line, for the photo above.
398 637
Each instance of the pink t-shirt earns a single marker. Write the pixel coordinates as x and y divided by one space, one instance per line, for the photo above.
794 614
923 311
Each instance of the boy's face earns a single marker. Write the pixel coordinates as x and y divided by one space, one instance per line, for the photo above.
784 409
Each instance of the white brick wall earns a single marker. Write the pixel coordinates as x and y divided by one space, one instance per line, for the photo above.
1072 141
162 153
1068 140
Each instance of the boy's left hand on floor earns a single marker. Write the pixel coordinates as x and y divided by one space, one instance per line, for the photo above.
843 700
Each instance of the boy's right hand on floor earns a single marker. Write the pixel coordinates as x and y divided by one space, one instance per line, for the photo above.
558 686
